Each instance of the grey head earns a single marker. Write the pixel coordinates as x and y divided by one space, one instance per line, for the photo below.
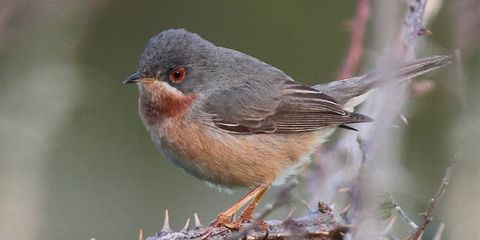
206 66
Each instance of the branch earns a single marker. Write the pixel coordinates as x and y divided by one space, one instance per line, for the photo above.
414 24
360 152
320 224
372 135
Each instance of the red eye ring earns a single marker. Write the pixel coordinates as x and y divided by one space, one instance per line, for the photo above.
178 74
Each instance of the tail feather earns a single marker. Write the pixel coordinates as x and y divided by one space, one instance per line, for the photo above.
343 91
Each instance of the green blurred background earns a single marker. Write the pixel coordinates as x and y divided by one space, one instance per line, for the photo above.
75 159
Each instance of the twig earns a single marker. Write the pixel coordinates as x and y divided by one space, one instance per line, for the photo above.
357 28
404 216
427 215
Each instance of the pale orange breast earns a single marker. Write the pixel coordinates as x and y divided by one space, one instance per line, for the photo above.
233 160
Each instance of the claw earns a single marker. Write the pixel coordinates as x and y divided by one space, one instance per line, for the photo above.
425 32
140 234
185 228
220 221
197 220
403 118
166 223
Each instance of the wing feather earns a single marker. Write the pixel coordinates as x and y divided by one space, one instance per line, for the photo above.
285 108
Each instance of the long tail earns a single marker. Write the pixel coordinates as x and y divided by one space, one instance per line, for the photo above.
346 90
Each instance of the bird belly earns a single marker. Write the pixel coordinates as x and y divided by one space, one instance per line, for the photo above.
292 170
228 160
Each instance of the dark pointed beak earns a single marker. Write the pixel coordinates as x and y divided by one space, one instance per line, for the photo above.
135 77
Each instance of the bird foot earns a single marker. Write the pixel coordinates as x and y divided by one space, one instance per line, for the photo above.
226 221
223 221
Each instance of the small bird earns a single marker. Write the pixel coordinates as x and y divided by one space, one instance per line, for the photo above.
234 121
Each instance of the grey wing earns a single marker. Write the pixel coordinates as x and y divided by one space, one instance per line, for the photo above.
289 107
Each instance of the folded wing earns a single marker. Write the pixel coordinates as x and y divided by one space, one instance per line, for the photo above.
288 107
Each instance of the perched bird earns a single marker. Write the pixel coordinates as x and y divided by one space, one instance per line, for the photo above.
232 120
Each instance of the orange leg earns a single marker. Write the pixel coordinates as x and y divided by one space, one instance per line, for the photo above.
224 218
248 212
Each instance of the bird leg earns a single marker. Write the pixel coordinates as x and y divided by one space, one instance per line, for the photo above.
224 218
247 213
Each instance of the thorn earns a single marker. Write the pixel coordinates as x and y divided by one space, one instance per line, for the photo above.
197 220
185 228
346 208
325 233
424 32
403 118
166 223
289 215
310 209
140 234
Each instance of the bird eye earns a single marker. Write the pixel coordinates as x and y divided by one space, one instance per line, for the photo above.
178 74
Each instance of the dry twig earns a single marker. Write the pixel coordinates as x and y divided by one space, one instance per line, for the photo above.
427 215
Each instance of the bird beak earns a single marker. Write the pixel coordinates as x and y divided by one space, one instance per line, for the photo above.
134 78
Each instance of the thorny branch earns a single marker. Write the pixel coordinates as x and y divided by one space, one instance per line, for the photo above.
403 50
319 224
362 208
